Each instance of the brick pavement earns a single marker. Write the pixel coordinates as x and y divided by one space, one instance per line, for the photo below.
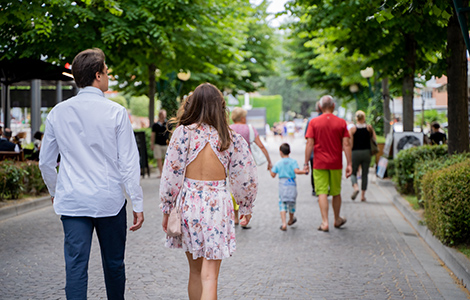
377 255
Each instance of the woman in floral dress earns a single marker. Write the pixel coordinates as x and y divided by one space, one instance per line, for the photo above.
202 155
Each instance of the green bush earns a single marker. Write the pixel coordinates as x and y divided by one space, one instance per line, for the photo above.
17 178
447 203
273 105
422 167
34 184
405 164
11 180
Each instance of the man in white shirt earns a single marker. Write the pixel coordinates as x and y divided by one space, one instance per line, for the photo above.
99 158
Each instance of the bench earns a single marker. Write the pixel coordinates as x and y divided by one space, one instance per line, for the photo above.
19 156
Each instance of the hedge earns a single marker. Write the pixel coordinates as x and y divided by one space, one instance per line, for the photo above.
446 194
405 164
273 106
17 178
422 167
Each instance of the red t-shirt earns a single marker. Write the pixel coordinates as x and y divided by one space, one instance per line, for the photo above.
327 131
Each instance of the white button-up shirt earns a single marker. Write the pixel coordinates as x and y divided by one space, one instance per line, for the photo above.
98 156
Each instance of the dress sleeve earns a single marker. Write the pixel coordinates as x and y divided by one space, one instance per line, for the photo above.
243 175
173 169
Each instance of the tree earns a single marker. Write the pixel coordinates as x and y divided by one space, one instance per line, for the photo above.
397 39
44 29
457 87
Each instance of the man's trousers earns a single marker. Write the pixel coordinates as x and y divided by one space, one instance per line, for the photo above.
111 232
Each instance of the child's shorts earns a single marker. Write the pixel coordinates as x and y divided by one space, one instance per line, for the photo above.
287 206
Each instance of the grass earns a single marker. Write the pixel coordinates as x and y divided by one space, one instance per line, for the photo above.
413 200
380 139
465 249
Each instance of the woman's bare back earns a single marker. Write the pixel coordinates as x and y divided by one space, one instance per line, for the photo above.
206 166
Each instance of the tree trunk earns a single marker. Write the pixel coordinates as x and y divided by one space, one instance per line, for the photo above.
457 89
386 106
152 84
409 82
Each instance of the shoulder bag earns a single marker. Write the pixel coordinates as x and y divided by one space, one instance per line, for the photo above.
374 149
258 155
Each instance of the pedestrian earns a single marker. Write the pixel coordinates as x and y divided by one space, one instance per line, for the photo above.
239 126
287 168
361 134
202 155
437 137
5 143
99 156
327 136
159 139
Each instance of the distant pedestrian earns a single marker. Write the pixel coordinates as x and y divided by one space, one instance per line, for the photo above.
361 134
438 137
99 157
239 125
5 143
159 140
327 136
287 168
202 156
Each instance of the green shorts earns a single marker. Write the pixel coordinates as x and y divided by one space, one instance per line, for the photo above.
327 181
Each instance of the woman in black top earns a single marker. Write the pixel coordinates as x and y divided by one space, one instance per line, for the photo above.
361 156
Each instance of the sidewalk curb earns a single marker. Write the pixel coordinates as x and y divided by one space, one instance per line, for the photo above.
21 208
454 260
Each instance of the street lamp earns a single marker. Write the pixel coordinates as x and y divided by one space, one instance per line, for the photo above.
353 88
183 76
367 73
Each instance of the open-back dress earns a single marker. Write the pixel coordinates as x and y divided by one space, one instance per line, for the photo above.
207 208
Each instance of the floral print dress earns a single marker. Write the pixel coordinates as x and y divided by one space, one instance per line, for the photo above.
207 208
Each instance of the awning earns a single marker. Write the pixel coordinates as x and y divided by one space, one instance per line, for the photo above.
27 69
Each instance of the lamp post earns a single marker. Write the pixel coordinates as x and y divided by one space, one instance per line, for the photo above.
183 76
367 73
353 88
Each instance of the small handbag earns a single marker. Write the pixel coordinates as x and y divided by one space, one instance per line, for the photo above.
256 152
173 228
374 149
174 222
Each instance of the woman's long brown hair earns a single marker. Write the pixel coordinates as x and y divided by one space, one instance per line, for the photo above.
206 105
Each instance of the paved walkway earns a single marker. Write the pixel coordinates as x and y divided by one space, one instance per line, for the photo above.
377 255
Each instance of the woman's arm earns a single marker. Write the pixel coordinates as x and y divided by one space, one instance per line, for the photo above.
261 146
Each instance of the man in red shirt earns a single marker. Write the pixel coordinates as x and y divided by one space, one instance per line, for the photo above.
327 135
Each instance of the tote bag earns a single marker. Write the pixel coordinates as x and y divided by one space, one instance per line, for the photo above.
258 155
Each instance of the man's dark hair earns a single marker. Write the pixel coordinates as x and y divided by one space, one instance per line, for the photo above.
435 125
86 64
38 135
285 149
7 133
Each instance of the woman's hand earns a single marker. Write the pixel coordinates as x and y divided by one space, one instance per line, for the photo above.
245 219
165 222
270 166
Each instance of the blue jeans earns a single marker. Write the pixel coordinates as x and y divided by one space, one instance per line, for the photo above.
111 232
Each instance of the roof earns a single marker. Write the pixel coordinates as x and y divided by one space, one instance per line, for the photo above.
12 71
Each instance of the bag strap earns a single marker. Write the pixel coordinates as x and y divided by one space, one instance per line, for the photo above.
252 133
371 131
